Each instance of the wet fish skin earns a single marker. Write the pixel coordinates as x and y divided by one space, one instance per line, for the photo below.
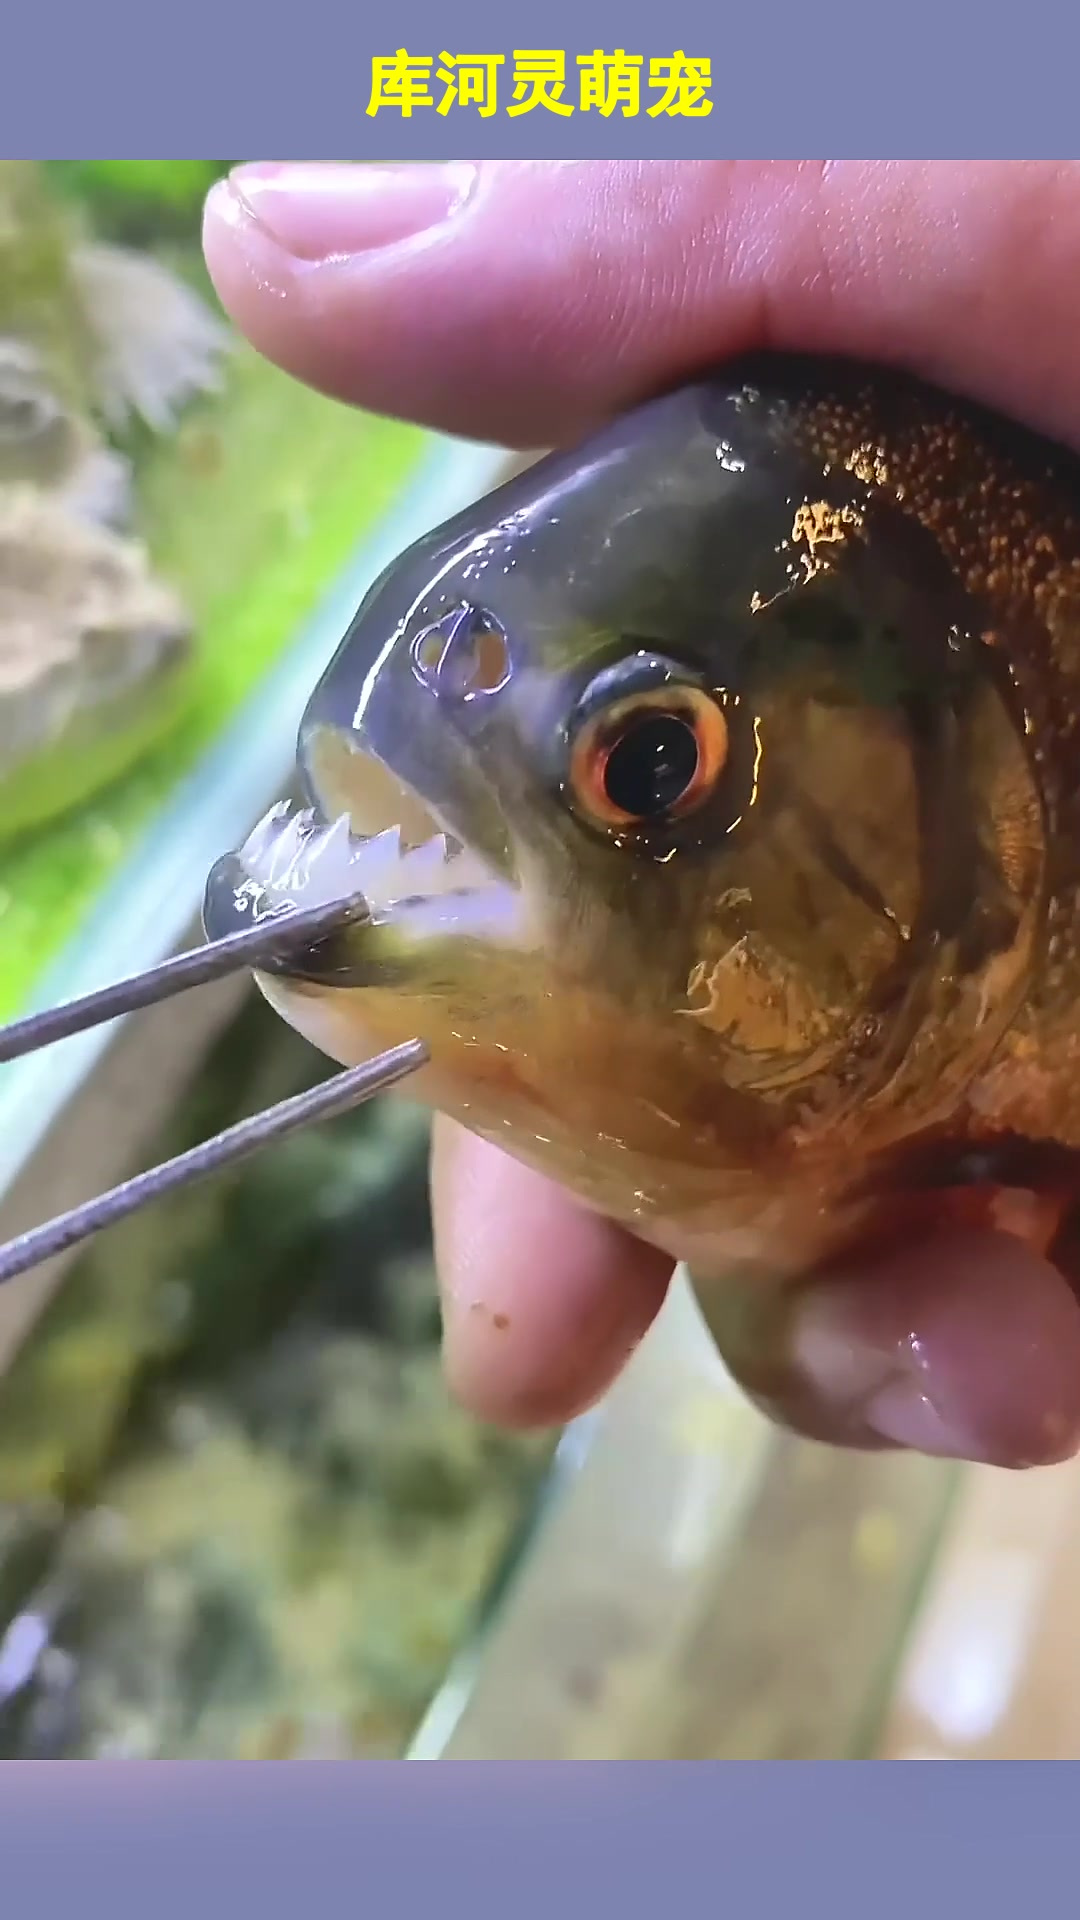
838 990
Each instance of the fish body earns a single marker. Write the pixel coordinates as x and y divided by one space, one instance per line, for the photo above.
715 790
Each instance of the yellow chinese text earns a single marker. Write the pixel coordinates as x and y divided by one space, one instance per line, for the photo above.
539 81
683 85
611 80
400 81
470 80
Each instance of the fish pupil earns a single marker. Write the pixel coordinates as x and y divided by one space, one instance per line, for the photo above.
650 767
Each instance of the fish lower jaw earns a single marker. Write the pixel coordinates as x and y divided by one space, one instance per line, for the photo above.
291 858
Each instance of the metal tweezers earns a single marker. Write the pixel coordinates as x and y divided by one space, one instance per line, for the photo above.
254 946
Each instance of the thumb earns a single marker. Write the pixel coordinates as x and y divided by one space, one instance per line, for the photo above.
523 301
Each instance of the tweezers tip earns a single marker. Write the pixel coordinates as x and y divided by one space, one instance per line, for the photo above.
198 966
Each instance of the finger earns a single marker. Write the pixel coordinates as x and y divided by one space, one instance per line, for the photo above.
967 1347
543 1302
519 301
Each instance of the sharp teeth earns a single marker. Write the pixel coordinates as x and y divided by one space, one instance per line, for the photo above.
423 870
376 862
260 840
321 866
388 842
283 852
334 843
288 853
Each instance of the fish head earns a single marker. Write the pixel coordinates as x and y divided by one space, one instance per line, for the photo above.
691 800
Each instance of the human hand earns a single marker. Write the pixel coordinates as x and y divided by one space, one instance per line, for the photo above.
522 303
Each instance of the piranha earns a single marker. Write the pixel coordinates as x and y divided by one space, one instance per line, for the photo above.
714 791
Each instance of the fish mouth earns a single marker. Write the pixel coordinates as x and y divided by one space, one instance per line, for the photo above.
412 872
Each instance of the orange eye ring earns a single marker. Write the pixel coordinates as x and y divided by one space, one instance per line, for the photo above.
655 755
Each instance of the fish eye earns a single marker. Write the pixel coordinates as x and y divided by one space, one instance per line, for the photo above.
648 755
